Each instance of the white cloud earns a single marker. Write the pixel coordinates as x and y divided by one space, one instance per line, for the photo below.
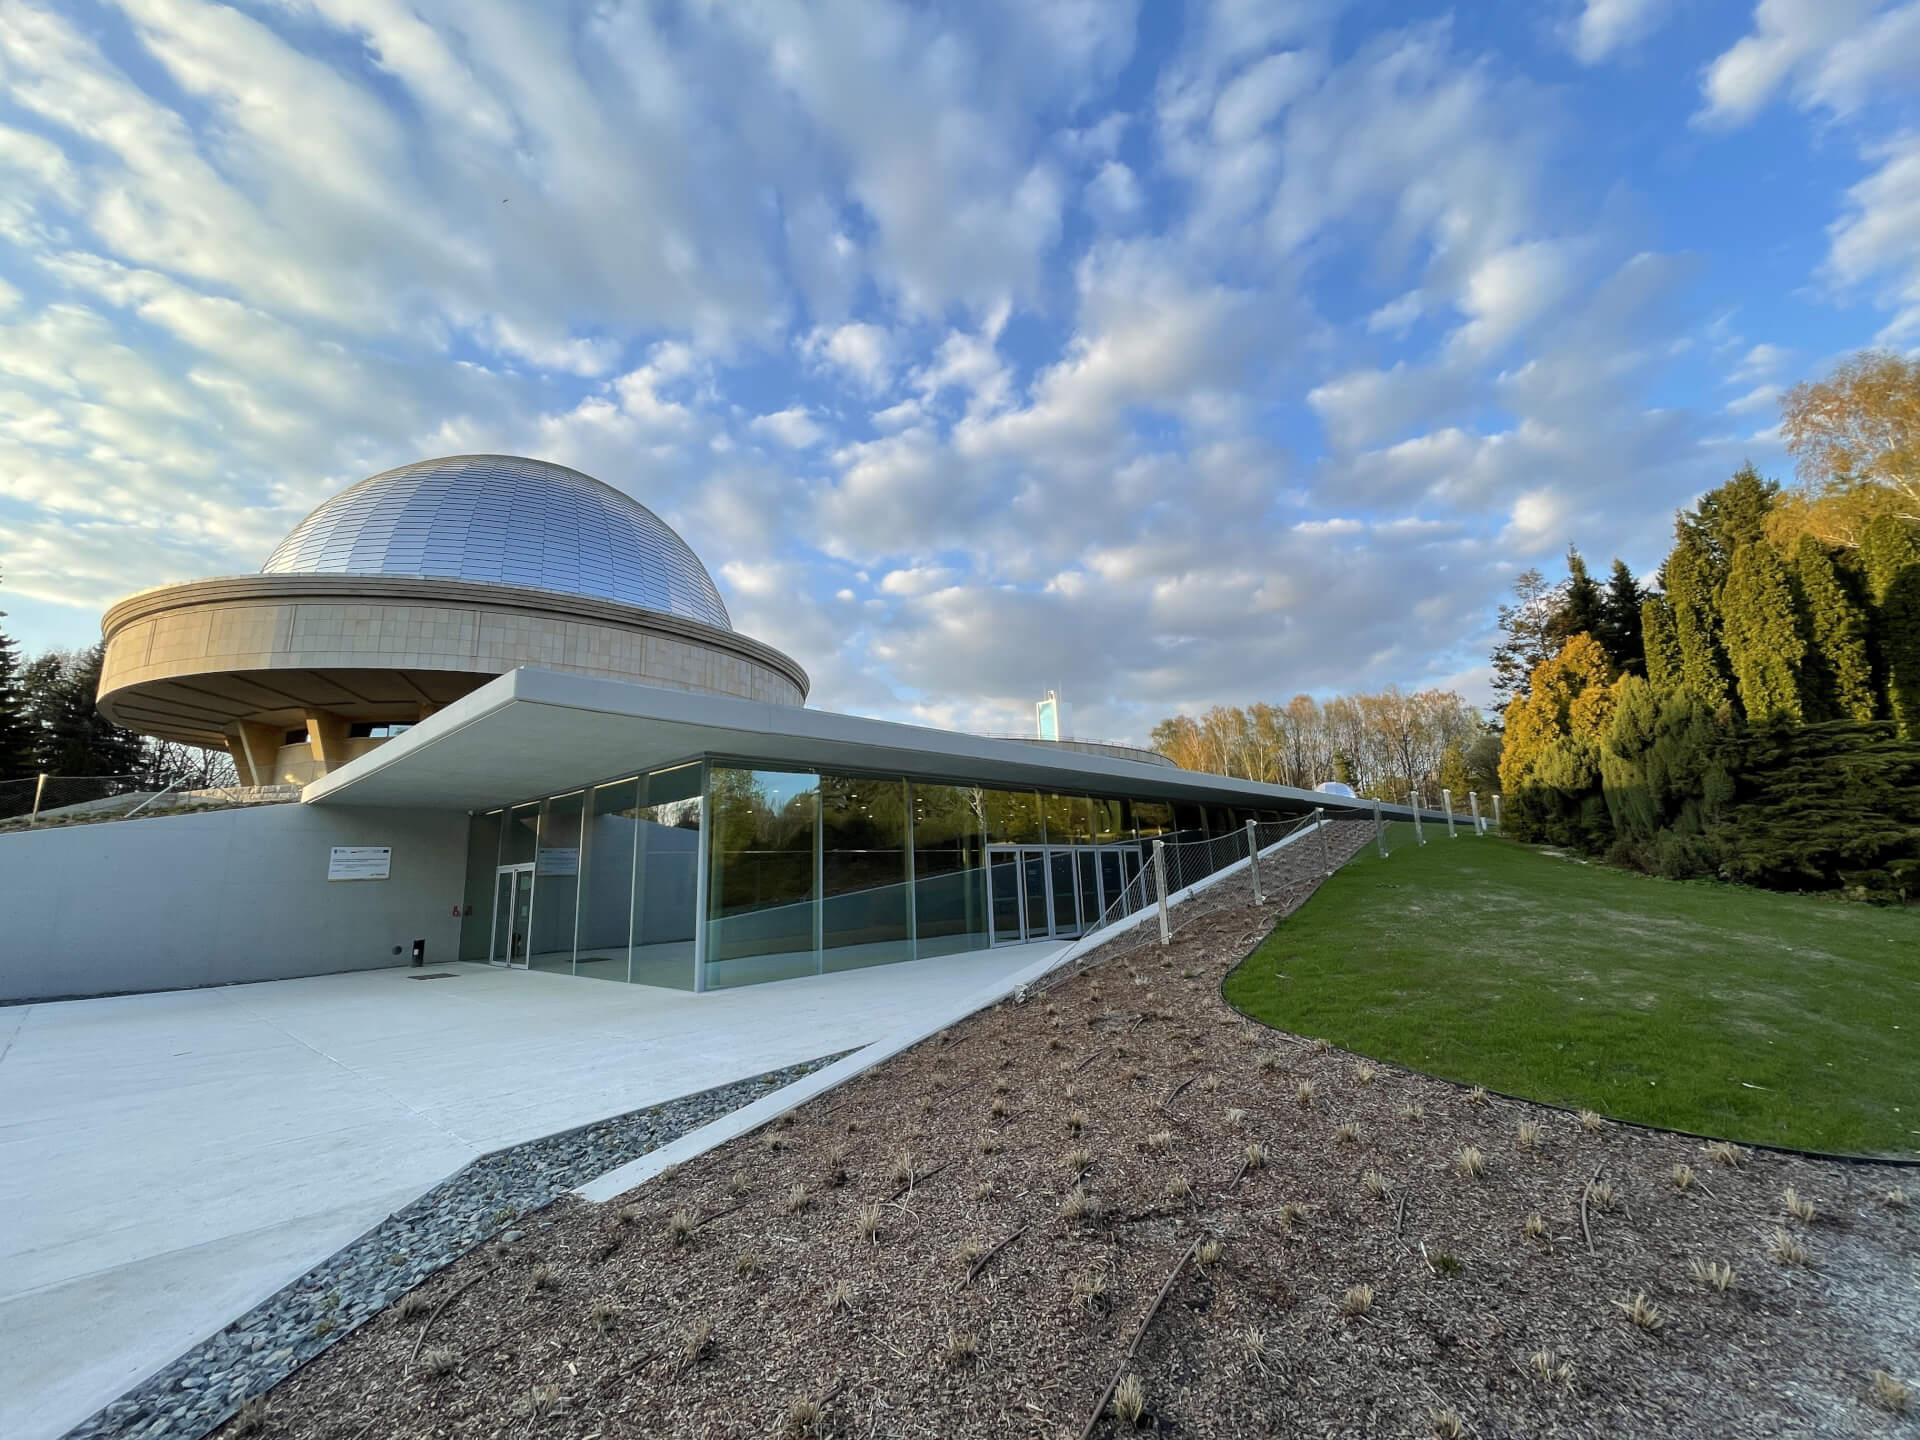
857 349
1605 27
793 427
1877 239
1833 51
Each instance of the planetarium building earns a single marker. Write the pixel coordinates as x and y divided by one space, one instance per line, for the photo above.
524 732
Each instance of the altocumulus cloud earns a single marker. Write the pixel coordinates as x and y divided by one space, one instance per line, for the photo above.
1172 356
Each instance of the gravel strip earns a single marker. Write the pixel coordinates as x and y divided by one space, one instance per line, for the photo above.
193 1395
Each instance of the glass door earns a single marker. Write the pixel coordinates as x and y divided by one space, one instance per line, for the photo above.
512 915
1066 893
1033 883
1003 880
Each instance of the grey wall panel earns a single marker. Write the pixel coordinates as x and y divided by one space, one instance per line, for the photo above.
221 897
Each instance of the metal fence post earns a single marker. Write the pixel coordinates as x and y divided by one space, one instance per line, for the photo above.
1160 889
1446 799
1479 825
1253 860
1320 826
1379 830
39 789
1419 834
1496 810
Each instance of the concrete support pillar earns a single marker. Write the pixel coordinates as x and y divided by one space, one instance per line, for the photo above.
242 767
1419 832
1320 828
261 746
1253 860
1479 825
1496 810
1446 799
327 734
1379 830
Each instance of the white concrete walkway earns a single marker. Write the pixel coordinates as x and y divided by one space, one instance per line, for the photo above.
168 1161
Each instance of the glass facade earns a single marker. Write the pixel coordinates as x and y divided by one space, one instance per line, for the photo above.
709 875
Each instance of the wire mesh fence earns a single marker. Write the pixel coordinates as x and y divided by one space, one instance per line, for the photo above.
80 799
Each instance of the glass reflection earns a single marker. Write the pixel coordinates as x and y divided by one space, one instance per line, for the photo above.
667 878
949 882
863 872
483 859
606 881
1013 817
556 883
761 898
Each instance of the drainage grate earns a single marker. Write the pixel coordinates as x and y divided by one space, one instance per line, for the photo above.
437 975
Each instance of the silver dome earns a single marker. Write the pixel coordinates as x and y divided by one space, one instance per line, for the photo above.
504 520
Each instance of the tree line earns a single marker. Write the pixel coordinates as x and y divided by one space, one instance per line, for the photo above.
49 725
1761 722
1385 746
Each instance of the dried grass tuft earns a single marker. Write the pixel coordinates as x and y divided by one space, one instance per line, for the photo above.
1477 1095
740 1184
1890 1394
1253 1347
839 1298
1357 1301
1799 1206
1291 1214
963 1349
1725 1152
1787 1250
1077 1121
1077 1205
805 1417
1078 1160
603 1312
1364 1074
1469 1162
1642 1312
1210 1253
1346 1133
867 1223
1600 1194
1413 1110
1536 1227
1716 1274
798 1198
1895 1199
1179 1189
1210 1082
1375 1184
1254 1157
1161 1141
1129 1400
903 1169
680 1226
1549 1369
1321 1045
1447 1424
747 1264
252 1417
413 1304
1682 1177
1529 1134
997 1107
1590 1122
1090 1291
1304 1093
1269 1061
1235 1117
541 1277
438 1361
990 1144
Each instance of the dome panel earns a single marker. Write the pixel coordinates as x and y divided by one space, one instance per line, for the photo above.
504 520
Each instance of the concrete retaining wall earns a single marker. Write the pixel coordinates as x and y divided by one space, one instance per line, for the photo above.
220 897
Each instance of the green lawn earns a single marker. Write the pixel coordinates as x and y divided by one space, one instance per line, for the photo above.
1732 1012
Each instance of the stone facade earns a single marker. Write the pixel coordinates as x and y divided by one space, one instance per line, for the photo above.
249 661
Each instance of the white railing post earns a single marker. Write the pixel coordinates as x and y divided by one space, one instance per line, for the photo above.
1479 825
1253 860
39 789
1320 826
1379 830
1446 799
1496 810
1160 888
1419 831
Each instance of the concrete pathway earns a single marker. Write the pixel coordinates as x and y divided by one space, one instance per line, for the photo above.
168 1161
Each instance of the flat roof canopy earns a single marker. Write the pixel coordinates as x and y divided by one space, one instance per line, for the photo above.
541 732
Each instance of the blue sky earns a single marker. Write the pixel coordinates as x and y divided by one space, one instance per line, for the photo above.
1170 356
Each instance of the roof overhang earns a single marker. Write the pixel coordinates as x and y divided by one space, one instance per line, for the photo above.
540 732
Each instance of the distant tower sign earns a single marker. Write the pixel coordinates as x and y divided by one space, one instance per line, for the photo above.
1053 718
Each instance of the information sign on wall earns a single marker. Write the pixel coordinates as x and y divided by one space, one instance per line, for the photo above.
360 862
558 860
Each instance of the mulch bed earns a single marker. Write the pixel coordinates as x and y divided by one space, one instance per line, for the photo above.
765 1295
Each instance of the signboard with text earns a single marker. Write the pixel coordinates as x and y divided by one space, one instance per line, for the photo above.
359 862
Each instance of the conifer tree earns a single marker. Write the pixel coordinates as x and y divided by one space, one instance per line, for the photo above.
1838 678
1726 517
1582 604
1764 641
1661 641
1620 625
1695 601
16 734
1890 555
